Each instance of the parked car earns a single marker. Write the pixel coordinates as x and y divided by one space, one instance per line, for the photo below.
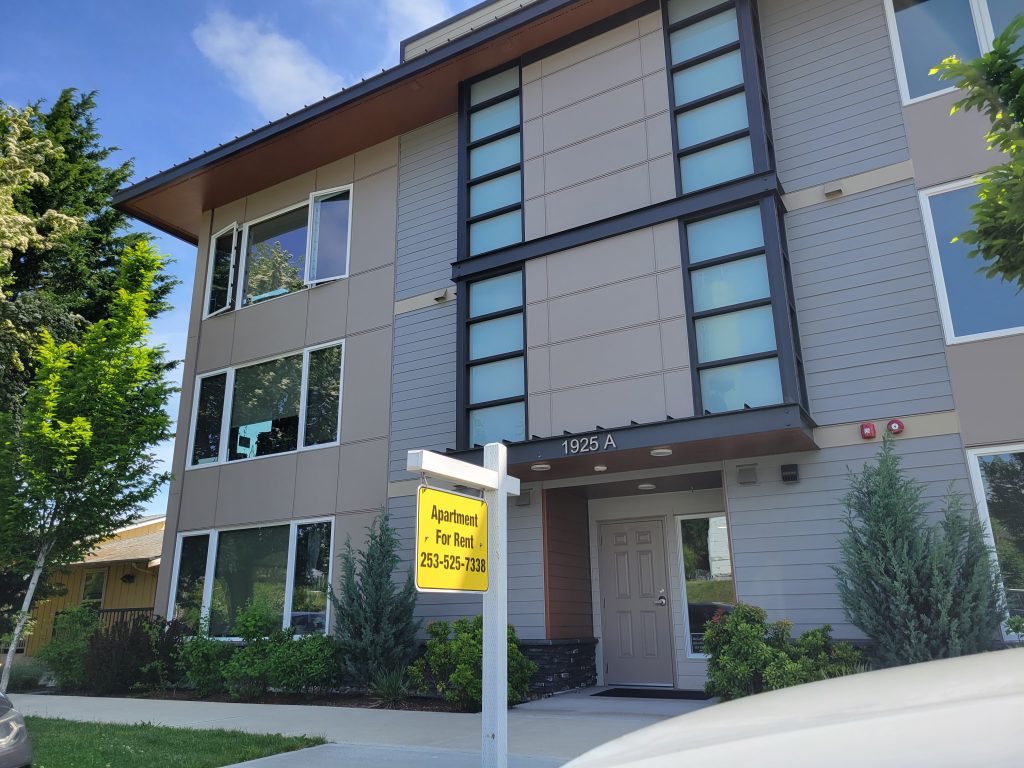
15 744
941 714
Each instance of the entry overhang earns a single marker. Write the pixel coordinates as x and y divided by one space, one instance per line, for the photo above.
695 440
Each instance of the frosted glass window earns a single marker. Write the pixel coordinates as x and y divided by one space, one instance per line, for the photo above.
496 381
684 9
496 294
735 387
497 232
323 396
716 165
494 156
713 76
265 408
496 337
188 592
712 120
495 118
736 334
496 193
929 31
220 273
500 422
251 569
704 36
275 256
308 613
495 85
977 304
730 233
209 413
329 255
731 283
1003 12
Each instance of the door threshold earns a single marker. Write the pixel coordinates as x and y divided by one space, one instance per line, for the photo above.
653 693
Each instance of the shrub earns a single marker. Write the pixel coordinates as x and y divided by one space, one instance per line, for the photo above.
749 655
306 665
27 674
162 669
390 687
918 591
453 662
115 656
66 653
1014 625
374 625
202 660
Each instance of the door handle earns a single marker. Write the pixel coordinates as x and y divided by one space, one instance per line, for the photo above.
661 601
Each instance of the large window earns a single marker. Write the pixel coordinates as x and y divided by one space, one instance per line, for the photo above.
280 573
280 253
733 322
998 476
973 306
267 408
712 124
496 377
493 163
707 574
924 32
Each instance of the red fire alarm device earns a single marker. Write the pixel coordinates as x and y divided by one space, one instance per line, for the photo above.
867 430
895 426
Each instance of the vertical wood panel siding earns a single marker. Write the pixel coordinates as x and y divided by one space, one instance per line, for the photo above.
786 538
427 208
569 610
832 90
869 318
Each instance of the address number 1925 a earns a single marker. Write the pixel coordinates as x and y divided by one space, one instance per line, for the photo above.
591 444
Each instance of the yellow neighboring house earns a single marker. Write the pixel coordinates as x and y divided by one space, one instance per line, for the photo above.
118 579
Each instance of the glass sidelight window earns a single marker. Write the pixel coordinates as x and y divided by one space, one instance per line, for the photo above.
707 574
494 163
281 571
733 319
266 408
495 370
712 124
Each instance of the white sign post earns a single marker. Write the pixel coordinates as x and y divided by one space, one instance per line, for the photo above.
492 478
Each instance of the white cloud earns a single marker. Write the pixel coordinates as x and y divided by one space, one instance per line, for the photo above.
274 73
403 18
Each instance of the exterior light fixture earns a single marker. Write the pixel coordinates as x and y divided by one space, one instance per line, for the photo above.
540 467
600 468
659 452
647 486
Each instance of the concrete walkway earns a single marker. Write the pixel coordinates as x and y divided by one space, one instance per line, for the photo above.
553 729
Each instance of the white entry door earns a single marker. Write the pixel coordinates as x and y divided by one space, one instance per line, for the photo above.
636 625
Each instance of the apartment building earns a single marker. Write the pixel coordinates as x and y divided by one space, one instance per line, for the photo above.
684 257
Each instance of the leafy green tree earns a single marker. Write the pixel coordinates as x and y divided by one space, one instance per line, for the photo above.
918 591
994 86
83 460
373 617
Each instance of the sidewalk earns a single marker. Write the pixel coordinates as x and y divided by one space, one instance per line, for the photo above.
557 728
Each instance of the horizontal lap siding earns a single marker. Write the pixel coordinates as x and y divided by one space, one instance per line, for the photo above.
427 208
832 90
525 570
869 319
786 538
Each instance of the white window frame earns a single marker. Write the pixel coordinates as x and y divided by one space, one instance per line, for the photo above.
234 229
945 311
982 29
103 592
685 607
981 504
312 229
229 395
211 564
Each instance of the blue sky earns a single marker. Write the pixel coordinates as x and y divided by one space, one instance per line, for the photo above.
178 78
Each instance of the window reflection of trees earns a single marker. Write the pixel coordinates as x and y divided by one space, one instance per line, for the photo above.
1004 491
272 270
312 563
265 408
322 396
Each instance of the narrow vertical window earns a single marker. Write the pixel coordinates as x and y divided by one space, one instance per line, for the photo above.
311 579
93 588
323 396
222 271
188 591
328 253
496 377
208 419
494 163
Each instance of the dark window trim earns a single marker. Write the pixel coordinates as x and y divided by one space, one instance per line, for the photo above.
731 308
473 362
494 315
490 138
471 220
696 18
739 255
738 360
715 142
494 99
495 403
494 174
703 101
700 58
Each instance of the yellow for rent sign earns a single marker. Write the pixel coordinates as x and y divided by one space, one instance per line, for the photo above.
451 542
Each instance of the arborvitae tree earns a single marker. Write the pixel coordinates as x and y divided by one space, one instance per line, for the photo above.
918 591
373 618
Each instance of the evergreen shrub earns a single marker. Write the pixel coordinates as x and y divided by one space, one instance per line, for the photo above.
67 653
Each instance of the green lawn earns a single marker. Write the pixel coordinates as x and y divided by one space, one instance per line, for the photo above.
718 591
68 744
